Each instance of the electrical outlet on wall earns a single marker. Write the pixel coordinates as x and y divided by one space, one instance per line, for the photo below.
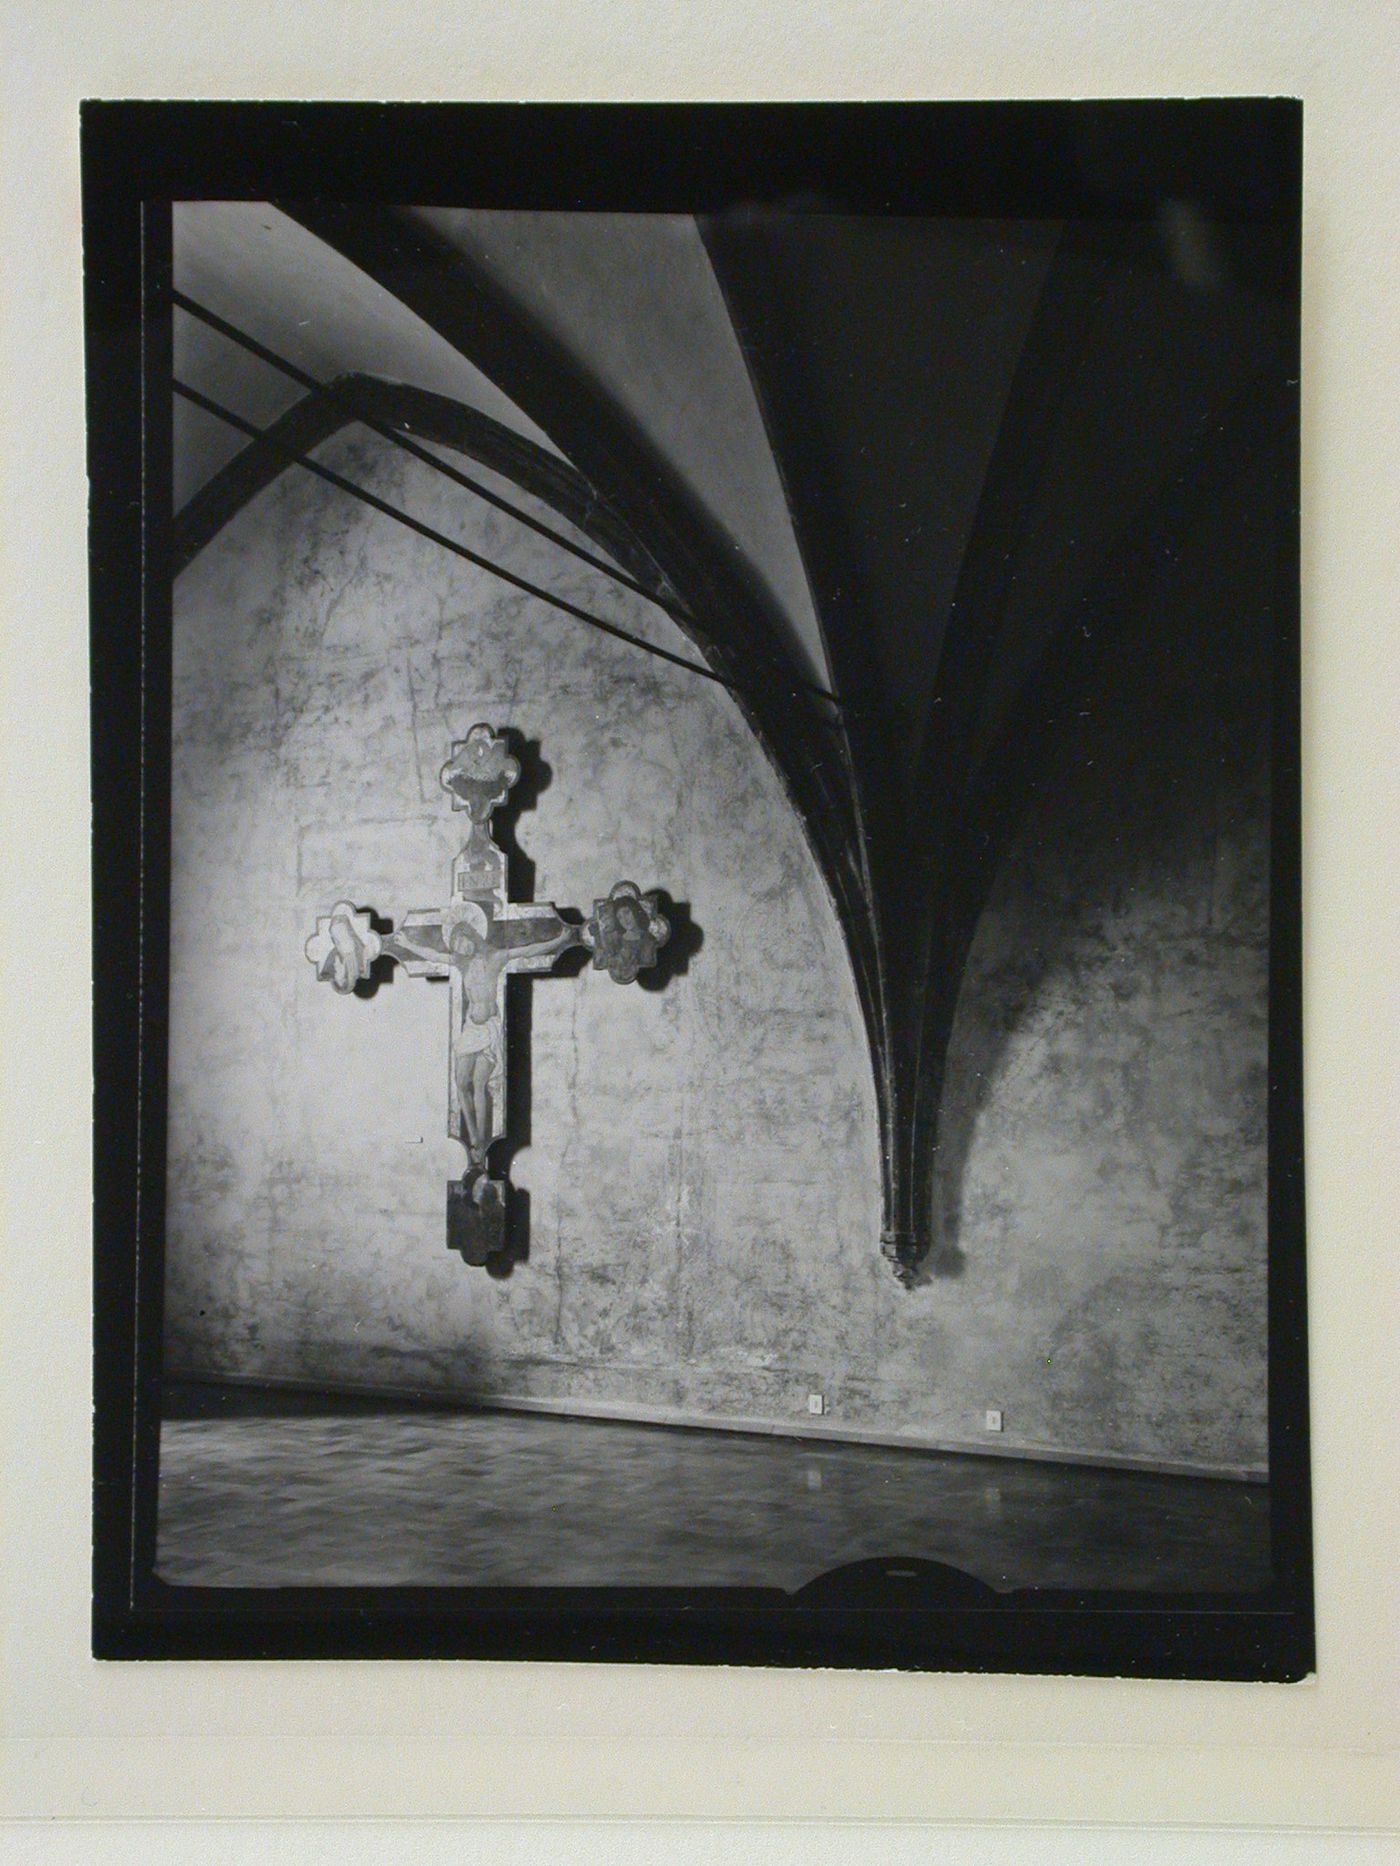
816 1402
991 1419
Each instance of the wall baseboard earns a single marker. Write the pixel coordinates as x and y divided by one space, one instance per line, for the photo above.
625 1412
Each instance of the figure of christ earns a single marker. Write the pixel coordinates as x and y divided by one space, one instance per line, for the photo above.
477 1056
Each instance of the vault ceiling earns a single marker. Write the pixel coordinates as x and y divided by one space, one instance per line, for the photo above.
260 270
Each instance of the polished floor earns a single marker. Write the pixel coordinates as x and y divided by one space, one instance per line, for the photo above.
263 1490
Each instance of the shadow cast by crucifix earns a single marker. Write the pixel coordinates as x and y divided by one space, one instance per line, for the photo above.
536 776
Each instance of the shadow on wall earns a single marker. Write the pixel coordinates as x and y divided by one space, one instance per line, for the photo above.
673 961
1102 915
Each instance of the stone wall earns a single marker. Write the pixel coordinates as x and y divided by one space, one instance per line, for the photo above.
1103 1148
701 1163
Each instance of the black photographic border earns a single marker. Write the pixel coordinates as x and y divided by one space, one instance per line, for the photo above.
1241 159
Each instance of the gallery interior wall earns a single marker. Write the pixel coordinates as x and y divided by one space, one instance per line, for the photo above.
701 1164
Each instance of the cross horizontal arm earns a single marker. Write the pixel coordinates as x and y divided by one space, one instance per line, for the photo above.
532 938
623 933
433 941
417 951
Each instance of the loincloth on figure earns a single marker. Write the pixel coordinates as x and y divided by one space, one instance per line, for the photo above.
475 1041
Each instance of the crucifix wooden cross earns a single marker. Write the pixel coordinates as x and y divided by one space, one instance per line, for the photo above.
474 941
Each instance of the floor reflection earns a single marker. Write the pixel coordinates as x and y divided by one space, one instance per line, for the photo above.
257 1491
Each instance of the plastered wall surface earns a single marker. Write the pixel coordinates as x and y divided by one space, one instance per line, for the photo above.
701 1163
1103 1148
1103 1153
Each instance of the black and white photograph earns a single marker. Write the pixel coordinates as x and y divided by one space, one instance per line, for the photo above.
697 851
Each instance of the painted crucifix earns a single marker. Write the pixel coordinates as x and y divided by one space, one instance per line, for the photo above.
475 940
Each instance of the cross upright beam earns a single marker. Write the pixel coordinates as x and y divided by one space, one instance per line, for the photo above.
475 939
